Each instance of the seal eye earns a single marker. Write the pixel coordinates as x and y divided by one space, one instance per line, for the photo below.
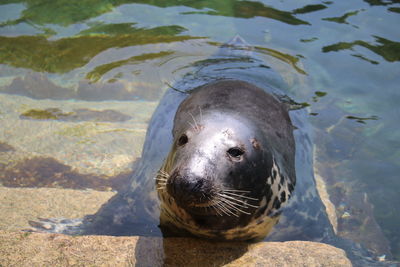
183 140
235 152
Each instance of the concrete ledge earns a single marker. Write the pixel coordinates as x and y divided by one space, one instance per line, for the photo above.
41 249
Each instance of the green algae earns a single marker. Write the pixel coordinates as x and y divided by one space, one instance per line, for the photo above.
381 2
76 115
79 130
318 95
292 60
309 8
66 54
61 12
99 71
48 114
128 28
64 13
394 9
243 9
342 19
309 40
362 119
389 50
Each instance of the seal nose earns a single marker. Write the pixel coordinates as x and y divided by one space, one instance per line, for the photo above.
189 189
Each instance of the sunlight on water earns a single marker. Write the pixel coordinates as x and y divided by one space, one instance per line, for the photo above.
79 82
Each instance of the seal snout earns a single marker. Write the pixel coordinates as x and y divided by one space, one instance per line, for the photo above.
189 190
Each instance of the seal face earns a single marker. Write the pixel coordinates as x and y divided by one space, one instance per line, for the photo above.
230 169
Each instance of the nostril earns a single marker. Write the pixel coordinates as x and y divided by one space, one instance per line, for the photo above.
197 186
187 190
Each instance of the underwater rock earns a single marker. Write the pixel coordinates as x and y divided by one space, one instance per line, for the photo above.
48 172
38 86
116 91
82 114
4 147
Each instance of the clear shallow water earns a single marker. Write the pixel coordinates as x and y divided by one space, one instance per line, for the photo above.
71 60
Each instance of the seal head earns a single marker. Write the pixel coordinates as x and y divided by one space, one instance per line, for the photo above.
223 176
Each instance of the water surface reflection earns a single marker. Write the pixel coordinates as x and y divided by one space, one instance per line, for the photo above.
340 59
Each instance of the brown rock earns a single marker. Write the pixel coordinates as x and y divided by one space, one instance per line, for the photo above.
39 249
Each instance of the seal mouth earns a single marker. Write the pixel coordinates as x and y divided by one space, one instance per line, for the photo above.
226 203
202 205
200 196
203 211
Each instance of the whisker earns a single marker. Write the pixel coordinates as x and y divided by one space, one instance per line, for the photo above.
230 209
161 181
231 205
236 206
163 174
217 207
159 178
239 201
195 122
217 211
162 177
191 124
226 209
213 202
201 115
239 191
228 206
223 208
240 204
239 196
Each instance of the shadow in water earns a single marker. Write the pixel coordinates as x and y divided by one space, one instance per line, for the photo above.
48 172
186 252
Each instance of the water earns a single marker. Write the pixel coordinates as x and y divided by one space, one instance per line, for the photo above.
79 82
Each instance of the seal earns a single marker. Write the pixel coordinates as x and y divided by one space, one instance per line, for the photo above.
231 165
